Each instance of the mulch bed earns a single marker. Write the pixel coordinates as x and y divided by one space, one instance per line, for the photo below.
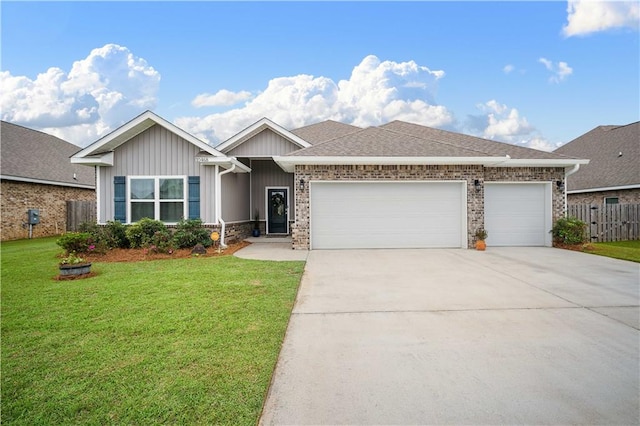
138 255
574 247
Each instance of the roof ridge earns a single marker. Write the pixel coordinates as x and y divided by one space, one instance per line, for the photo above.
40 131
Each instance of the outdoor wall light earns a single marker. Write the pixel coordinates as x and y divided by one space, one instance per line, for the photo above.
301 184
476 183
560 185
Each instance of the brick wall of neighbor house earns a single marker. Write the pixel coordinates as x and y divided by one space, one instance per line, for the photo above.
18 197
475 198
626 196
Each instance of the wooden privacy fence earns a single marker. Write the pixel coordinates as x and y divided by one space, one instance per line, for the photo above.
609 222
79 212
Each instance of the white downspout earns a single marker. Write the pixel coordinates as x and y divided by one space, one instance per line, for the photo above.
219 202
566 186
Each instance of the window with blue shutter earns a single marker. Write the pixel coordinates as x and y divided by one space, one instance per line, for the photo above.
194 197
119 199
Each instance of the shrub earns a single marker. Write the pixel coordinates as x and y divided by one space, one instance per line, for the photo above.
75 242
140 233
161 242
115 234
569 230
189 233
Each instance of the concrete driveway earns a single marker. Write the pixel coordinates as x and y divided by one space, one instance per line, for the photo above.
506 336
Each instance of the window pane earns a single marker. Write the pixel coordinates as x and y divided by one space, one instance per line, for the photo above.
611 200
171 212
171 189
142 189
140 210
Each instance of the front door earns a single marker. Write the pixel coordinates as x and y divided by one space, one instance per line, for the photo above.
277 211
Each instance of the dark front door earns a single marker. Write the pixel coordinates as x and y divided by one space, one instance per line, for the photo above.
278 209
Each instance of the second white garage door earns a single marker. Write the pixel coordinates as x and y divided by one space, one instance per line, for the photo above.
347 215
517 214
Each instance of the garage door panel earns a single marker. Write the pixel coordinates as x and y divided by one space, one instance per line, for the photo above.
517 214
386 215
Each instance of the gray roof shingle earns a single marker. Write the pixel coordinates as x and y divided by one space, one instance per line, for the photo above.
402 139
488 147
31 154
324 131
379 142
614 152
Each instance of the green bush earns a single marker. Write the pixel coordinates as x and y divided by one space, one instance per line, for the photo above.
161 242
140 233
75 242
115 234
112 235
191 232
569 230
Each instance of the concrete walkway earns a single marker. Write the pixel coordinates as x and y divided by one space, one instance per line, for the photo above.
506 336
271 248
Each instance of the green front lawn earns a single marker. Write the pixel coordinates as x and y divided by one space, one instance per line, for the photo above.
188 341
625 250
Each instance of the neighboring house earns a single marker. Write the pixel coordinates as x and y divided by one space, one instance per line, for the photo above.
36 174
613 174
332 185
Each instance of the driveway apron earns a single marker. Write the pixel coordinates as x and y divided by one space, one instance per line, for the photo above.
505 336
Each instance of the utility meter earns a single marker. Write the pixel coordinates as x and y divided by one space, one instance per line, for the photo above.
34 216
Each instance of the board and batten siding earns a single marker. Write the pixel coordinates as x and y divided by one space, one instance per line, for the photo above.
266 173
235 198
265 144
157 152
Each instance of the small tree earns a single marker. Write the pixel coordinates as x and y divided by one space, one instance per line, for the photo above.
569 230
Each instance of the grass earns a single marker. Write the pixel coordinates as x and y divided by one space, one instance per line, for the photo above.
625 250
184 341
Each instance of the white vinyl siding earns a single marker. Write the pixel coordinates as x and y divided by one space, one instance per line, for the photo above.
350 215
517 214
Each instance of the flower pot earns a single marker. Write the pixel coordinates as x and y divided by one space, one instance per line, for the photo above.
256 232
481 245
79 269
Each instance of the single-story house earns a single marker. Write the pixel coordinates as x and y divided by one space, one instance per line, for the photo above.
36 175
333 185
613 174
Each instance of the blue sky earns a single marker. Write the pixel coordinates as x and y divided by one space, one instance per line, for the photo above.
537 74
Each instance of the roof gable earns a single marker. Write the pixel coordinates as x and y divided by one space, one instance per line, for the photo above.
256 128
98 152
23 152
614 152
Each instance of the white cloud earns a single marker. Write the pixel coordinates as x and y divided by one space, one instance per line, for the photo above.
377 92
221 98
588 16
560 71
508 68
104 90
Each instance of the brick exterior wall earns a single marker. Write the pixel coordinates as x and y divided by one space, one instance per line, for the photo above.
18 197
625 196
469 173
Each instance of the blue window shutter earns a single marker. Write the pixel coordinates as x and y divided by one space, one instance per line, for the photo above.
194 197
119 199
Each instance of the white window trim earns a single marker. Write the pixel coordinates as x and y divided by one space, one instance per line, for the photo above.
156 201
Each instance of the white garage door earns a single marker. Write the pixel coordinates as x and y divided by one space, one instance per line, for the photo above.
347 215
517 214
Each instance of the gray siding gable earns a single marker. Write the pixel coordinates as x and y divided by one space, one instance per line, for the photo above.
264 144
157 152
